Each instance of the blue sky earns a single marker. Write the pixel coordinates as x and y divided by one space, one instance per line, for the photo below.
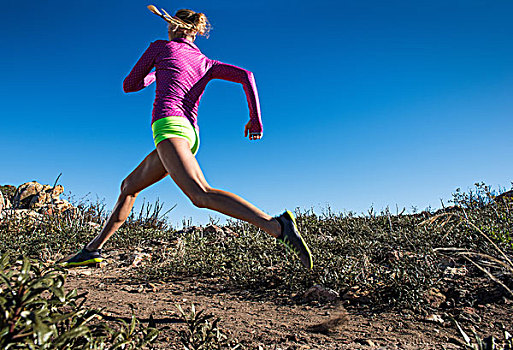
364 103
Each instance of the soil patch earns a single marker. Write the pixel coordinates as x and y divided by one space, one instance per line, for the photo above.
280 323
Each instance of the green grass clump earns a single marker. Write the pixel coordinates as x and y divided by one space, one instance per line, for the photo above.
203 333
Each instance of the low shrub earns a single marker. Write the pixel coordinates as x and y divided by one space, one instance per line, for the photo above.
37 313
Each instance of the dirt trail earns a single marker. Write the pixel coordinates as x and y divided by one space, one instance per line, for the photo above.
267 324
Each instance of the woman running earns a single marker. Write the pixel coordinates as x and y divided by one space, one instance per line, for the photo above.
181 74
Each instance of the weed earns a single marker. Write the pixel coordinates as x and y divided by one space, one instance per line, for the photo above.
488 343
37 313
203 332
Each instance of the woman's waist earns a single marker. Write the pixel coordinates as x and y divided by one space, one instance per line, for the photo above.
157 115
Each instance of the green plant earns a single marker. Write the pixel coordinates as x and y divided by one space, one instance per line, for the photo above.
37 313
202 332
479 217
488 343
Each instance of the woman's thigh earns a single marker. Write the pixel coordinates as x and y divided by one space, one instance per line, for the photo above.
148 172
182 166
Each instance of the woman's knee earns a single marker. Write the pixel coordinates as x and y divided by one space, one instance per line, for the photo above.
200 197
128 188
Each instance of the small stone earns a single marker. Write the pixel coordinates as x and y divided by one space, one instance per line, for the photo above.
94 225
434 297
230 232
435 318
154 288
355 293
394 255
455 272
138 258
57 191
370 342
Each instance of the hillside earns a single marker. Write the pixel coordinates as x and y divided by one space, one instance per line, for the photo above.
380 280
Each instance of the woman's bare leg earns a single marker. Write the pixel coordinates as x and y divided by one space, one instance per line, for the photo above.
146 174
180 163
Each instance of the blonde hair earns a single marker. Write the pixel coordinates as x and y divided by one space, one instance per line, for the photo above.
198 20
192 22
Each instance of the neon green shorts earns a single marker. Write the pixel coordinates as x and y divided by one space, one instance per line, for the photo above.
175 126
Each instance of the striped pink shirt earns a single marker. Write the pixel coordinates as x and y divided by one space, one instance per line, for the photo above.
182 73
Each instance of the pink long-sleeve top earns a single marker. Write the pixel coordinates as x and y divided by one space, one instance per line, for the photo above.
182 73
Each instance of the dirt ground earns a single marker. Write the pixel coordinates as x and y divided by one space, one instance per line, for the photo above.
258 322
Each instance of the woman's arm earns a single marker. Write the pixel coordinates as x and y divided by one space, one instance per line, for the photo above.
242 76
140 76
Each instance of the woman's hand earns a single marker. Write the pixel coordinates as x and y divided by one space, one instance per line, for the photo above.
252 136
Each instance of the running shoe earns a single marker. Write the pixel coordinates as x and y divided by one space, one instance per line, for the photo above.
84 258
291 238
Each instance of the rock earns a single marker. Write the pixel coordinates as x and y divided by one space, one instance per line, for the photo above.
230 232
370 342
41 198
190 229
62 205
394 255
94 225
505 197
435 318
138 258
213 229
38 200
2 202
468 313
320 293
355 293
24 192
434 297
57 191
20 214
8 191
455 272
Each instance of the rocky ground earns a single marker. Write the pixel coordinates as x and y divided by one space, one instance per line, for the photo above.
288 322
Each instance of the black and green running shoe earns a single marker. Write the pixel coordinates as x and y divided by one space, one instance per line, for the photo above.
291 238
84 258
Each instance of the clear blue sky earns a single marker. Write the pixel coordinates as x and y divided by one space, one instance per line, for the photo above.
364 103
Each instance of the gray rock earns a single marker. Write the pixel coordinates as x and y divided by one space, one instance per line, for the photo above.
213 229
320 293
25 192
41 198
505 197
